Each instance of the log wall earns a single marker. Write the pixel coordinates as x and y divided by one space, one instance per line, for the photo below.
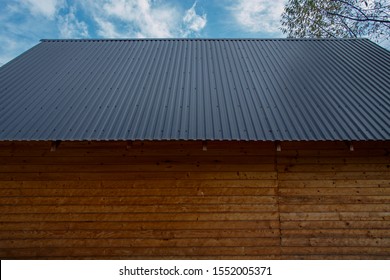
172 200
334 203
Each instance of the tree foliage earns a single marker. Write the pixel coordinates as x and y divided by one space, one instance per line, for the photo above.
337 19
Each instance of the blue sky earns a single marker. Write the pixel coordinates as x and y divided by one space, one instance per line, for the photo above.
24 22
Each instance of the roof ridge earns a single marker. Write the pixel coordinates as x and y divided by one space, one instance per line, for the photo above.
198 39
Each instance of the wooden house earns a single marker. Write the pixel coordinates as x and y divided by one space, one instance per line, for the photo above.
196 149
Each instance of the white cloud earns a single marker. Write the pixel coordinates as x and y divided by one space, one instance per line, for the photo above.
46 8
258 15
7 49
193 22
136 18
143 18
107 29
122 9
23 23
70 27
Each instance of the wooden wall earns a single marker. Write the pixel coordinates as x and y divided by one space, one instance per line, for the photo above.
172 200
335 203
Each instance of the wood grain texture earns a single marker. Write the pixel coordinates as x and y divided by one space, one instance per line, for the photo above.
334 204
172 200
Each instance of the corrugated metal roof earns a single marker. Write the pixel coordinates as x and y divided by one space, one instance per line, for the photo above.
197 89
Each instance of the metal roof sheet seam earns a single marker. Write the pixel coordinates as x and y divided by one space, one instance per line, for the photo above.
197 89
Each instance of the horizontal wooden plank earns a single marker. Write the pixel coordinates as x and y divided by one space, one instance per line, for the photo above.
341 199
336 241
336 250
138 167
128 217
50 184
325 145
138 242
191 257
32 155
334 257
96 149
150 183
335 208
145 225
336 216
331 145
170 208
349 224
163 234
113 176
169 160
303 152
320 168
360 146
138 200
136 252
138 192
384 175
231 156
336 233
334 191
294 160
161 183
376 183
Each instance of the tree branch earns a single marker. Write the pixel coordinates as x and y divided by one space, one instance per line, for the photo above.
352 6
349 28
323 29
358 19
381 10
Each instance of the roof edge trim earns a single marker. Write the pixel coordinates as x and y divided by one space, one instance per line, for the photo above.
201 39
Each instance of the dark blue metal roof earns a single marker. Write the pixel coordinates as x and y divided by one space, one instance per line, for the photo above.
197 89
